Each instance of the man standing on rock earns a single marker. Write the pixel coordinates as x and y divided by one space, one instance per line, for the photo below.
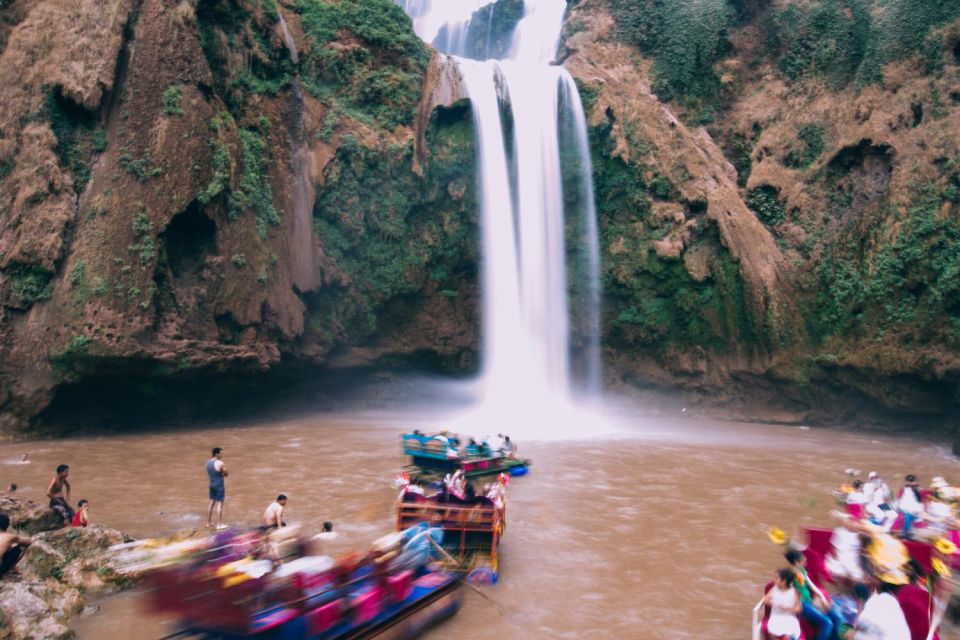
11 546
59 494
216 472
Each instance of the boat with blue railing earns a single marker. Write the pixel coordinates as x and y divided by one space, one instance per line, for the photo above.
445 452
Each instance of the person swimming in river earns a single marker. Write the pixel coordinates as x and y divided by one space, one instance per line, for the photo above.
12 546
59 494
81 518
216 472
273 515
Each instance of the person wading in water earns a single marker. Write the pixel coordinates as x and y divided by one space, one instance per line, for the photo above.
216 472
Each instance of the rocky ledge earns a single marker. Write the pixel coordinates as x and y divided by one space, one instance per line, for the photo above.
63 568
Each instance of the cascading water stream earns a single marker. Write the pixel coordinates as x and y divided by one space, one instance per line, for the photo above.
305 272
526 325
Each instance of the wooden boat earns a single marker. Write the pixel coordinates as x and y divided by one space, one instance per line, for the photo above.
472 530
311 598
818 548
437 453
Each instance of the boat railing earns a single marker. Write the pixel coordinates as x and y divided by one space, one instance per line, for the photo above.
452 517
756 627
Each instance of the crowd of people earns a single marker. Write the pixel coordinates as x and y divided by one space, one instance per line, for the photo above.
884 564
456 446
13 546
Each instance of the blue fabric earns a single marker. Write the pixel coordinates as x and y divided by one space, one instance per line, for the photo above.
823 623
217 490
908 519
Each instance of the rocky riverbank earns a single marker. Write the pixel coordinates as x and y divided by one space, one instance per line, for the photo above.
62 570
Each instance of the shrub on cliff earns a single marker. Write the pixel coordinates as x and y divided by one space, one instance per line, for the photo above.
366 53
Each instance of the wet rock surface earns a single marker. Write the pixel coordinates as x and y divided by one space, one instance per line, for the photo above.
61 570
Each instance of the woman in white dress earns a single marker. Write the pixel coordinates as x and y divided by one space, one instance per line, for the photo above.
785 606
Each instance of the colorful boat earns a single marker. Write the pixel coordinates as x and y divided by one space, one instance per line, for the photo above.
934 558
220 591
472 528
440 453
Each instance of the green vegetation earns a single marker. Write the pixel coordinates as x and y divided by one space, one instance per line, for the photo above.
143 244
139 168
28 284
811 144
220 181
172 98
238 260
391 230
78 344
651 303
765 202
380 75
837 40
910 284
254 190
77 136
685 38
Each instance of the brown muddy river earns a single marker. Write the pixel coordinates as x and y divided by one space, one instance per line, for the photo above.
658 532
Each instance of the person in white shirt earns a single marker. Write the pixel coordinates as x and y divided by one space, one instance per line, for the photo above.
878 502
273 515
785 607
882 618
910 504
845 560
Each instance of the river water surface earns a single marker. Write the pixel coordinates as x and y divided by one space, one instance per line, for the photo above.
655 532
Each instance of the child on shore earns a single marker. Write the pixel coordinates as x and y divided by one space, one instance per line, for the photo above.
80 518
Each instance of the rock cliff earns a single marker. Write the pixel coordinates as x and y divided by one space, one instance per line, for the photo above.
199 190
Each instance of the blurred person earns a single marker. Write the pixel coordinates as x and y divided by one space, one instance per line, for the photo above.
785 606
12 546
11 489
216 472
816 606
878 502
916 603
910 504
59 494
273 515
844 561
81 518
881 617
856 500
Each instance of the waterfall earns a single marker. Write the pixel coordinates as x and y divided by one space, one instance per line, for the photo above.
526 326
306 275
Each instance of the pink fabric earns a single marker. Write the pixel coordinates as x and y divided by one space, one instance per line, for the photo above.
367 605
855 511
922 552
915 601
400 585
322 618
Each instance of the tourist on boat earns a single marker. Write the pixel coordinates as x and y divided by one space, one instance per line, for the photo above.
12 546
273 515
878 502
509 448
856 500
845 560
59 494
816 605
916 603
910 504
81 518
216 472
881 617
495 444
785 606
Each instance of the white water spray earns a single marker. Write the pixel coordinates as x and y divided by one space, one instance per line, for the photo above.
526 341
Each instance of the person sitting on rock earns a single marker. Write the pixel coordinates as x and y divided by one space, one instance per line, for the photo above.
12 546
80 518
59 494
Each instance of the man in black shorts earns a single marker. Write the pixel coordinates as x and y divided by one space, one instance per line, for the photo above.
12 546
